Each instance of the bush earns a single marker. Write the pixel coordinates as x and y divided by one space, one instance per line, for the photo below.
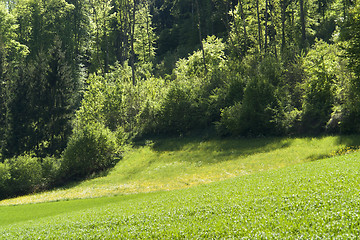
50 171
179 112
4 178
320 67
91 149
26 174
259 113
230 120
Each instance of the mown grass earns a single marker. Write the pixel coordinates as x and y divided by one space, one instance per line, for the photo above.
169 164
314 200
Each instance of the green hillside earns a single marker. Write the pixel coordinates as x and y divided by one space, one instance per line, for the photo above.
316 199
80 81
160 119
168 164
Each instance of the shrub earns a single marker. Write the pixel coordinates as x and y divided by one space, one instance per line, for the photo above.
4 178
25 174
259 113
325 86
50 171
230 120
91 149
179 112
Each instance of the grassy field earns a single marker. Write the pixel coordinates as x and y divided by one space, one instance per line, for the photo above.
170 164
313 200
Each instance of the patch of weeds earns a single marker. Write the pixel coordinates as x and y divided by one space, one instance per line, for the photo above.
345 150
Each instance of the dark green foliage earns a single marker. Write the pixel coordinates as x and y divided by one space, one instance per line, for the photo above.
4 180
317 106
178 114
351 34
50 167
42 102
323 85
258 114
176 23
25 174
257 109
58 101
91 149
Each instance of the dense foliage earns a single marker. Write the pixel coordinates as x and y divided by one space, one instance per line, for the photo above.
141 68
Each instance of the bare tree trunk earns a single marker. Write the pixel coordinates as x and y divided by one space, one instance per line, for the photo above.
259 25
266 24
132 44
148 30
243 19
283 19
127 29
302 22
200 36
106 60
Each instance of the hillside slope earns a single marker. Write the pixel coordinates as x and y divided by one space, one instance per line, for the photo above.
169 164
318 199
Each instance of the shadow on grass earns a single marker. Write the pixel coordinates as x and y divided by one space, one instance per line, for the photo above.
223 149
349 140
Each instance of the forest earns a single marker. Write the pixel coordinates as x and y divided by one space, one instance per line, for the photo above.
81 79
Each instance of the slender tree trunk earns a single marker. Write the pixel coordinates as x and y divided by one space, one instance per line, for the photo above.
126 28
106 57
148 30
200 35
266 24
243 19
132 44
302 22
283 19
259 25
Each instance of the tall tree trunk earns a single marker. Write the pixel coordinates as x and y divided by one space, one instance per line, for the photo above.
283 20
200 36
259 25
148 30
266 24
302 22
106 57
243 19
132 44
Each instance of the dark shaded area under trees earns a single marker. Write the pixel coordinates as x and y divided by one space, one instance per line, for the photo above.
80 79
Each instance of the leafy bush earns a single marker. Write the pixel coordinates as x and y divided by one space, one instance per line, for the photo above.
194 65
258 114
25 174
4 178
321 64
50 171
230 120
195 97
115 102
177 113
91 149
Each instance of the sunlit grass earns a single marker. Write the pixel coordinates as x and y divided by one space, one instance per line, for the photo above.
177 163
314 200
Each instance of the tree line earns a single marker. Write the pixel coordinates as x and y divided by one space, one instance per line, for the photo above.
81 79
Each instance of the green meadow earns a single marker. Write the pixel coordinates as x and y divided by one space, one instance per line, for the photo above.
266 188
